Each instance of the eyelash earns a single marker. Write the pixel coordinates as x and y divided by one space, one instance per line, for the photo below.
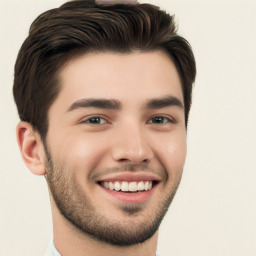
167 119
100 118
95 117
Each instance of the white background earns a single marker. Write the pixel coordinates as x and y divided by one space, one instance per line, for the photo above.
214 212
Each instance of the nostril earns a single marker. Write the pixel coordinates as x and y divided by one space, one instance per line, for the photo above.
123 160
133 161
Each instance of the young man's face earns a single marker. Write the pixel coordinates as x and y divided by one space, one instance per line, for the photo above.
116 144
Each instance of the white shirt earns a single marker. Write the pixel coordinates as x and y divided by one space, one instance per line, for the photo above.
52 251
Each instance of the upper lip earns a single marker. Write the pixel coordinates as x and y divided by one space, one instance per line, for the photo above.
128 176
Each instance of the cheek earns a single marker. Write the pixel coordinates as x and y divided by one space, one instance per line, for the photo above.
79 154
177 150
171 152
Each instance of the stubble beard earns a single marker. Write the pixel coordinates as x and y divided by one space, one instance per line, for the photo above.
76 207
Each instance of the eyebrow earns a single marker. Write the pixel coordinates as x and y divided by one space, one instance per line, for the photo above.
114 104
164 102
96 103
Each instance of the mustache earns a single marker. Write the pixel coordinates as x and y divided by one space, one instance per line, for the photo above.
162 172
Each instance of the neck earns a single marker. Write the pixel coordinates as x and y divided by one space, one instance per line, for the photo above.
71 241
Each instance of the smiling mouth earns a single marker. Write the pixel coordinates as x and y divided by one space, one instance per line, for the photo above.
128 187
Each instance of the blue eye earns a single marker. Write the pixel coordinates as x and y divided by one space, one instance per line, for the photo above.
96 120
159 120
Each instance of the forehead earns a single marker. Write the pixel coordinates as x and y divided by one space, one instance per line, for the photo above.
130 76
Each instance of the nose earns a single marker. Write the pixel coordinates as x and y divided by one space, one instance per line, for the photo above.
131 145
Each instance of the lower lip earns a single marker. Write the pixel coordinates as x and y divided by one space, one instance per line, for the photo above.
136 198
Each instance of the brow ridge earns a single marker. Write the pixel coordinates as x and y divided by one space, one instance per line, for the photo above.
115 104
164 102
96 103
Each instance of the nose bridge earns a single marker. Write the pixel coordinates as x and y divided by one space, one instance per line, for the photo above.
131 143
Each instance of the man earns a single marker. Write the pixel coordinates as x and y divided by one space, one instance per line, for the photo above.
103 92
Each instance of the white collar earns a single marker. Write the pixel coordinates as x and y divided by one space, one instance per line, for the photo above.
52 251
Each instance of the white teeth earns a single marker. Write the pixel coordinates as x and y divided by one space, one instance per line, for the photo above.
105 184
132 186
146 185
125 186
141 186
111 186
117 186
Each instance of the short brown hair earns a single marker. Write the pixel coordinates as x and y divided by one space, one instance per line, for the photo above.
82 26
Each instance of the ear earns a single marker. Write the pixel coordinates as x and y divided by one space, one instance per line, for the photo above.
31 148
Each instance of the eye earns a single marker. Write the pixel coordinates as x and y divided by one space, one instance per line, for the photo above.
160 120
95 120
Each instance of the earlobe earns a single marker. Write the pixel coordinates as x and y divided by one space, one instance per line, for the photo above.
31 148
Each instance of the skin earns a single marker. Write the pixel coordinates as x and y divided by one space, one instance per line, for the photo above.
134 138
